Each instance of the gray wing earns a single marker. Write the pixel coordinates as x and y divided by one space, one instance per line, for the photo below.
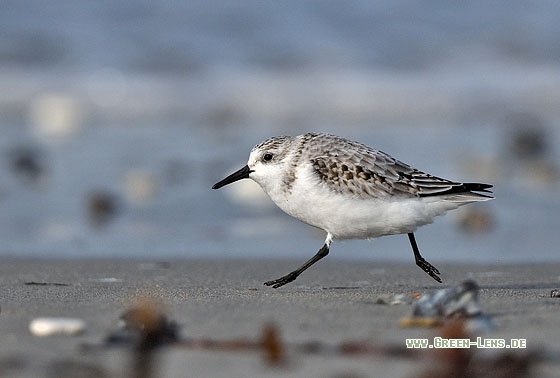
350 167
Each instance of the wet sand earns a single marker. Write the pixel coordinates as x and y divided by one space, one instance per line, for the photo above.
333 304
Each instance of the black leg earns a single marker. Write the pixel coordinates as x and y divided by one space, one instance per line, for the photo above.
426 266
293 275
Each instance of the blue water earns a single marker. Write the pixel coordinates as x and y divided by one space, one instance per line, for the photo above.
148 103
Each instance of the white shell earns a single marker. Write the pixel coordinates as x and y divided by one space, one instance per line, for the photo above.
56 326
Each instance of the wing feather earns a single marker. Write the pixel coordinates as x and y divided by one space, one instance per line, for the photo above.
350 167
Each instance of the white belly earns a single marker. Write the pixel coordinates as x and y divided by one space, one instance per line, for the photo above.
347 217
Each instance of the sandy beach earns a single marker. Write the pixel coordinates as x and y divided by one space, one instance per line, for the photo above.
331 306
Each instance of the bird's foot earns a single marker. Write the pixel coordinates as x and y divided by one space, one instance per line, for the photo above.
283 280
429 268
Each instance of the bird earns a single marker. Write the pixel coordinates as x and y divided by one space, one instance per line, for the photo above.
351 191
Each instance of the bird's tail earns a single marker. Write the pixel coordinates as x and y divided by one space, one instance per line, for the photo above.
468 192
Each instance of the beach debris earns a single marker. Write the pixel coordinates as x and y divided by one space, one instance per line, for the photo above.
144 324
555 293
528 138
102 206
272 345
459 301
396 299
148 321
35 283
57 115
530 152
57 326
426 322
28 164
144 327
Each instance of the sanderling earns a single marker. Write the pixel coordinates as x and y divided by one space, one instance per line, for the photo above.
351 191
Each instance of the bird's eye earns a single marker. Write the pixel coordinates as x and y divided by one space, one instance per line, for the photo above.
267 157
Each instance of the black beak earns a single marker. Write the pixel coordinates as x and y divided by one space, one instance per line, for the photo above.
236 176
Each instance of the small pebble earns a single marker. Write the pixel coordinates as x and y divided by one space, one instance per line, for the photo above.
102 206
29 165
57 326
528 138
394 300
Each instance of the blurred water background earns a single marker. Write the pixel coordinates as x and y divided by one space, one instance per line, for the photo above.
116 117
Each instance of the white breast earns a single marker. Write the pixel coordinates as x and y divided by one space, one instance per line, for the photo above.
346 216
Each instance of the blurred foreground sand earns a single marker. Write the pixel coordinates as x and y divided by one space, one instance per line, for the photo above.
224 301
